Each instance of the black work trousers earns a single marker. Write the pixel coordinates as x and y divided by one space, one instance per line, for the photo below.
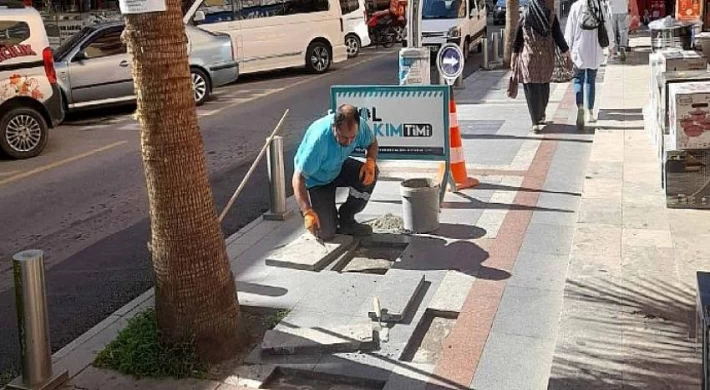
323 198
537 96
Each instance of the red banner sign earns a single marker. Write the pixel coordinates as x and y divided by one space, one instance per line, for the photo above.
10 52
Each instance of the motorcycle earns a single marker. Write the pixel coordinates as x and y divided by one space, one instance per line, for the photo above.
382 29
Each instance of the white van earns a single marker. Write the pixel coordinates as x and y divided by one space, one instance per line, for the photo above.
357 35
463 22
275 34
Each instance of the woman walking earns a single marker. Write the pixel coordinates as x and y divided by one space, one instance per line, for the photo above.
534 57
587 24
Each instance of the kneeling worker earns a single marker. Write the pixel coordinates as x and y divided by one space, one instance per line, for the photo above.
323 163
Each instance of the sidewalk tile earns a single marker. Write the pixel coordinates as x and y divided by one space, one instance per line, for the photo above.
609 189
643 194
644 217
550 239
605 170
646 237
540 271
600 211
597 240
514 362
529 312
98 379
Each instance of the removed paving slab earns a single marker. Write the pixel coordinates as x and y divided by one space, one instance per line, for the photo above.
289 340
397 295
309 254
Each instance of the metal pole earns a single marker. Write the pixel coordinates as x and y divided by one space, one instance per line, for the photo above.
485 53
33 324
277 180
496 46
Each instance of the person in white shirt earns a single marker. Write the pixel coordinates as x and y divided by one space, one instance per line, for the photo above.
582 35
620 24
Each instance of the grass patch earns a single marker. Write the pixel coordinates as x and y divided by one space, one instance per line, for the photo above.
137 351
274 319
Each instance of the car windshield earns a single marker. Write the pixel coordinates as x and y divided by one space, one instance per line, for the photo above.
69 44
443 9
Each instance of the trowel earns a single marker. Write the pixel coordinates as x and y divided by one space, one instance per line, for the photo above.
320 241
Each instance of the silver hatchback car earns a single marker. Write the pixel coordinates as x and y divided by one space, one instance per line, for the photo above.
94 68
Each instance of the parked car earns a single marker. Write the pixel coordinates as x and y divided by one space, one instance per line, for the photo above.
463 22
30 100
94 68
276 35
499 11
354 20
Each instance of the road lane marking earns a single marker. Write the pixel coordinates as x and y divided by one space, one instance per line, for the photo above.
60 163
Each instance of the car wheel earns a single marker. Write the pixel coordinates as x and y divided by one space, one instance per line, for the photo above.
201 87
318 57
23 133
352 43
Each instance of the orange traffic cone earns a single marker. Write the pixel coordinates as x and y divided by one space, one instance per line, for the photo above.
458 161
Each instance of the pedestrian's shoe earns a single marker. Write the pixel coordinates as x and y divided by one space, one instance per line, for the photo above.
580 119
590 115
543 120
353 228
622 54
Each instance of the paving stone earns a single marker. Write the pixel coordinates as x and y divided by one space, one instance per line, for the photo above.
411 376
362 366
600 211
539 270
396 293
597 240
281 288
293 341
514 362
646 237
529 312
451 293
552 239
644 217
305 253
605 170
341 294
253 376
98 379
609 189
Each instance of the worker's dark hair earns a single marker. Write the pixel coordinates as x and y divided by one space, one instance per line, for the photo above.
346 113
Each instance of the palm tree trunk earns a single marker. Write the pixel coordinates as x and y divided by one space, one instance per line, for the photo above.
195 291
511 25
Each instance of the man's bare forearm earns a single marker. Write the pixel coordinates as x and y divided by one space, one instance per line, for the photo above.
300 192
372 151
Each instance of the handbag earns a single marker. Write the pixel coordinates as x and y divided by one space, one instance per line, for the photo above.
602 33
513 80
563 70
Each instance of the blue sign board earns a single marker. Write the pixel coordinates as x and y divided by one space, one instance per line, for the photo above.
450 62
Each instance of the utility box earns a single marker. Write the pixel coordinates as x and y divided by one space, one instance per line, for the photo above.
414 68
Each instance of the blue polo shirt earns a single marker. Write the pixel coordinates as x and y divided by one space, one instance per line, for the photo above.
320 157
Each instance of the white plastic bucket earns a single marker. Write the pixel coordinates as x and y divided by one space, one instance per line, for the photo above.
420 205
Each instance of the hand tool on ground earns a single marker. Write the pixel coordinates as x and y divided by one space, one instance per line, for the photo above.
253 166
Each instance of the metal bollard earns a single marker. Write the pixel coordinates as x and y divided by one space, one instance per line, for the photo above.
33 324
496 47
277 180
486 63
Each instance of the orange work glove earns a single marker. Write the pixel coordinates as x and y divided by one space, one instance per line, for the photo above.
311 221
367 172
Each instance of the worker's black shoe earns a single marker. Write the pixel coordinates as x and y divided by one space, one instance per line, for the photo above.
353 228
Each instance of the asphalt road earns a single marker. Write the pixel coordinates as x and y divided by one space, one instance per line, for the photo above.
83 201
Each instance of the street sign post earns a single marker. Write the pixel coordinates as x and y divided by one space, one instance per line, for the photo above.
410 122
450 62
